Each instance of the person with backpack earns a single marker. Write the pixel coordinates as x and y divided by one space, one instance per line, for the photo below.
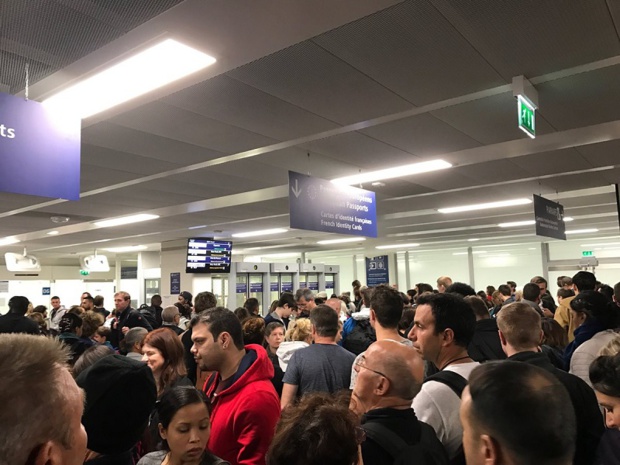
390 374
357 332
443 327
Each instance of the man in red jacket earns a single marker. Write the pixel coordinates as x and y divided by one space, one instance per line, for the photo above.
245 406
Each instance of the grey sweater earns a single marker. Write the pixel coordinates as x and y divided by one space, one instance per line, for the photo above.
156 458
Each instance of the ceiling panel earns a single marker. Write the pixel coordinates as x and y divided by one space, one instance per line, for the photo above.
100 157
422 135
314 79
123 139
534 37
185 126
581 100
602 154
546 163
52 34
398 48
233 102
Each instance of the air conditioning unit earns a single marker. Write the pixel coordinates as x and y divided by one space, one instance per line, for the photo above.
22 263
95 263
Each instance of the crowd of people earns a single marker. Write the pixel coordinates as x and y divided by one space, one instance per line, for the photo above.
437 375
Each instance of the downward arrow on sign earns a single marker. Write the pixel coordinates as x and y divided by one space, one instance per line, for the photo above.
296 190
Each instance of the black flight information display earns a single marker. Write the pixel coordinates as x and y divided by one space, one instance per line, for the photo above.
206 255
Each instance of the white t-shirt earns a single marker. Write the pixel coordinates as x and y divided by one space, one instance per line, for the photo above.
438 405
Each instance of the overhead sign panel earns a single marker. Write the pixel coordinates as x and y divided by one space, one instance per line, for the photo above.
39 150
319 205
549 217
377 271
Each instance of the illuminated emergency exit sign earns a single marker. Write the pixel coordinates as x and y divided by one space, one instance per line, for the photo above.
587 253
527 117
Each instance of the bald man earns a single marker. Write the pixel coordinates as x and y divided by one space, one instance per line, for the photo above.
389 375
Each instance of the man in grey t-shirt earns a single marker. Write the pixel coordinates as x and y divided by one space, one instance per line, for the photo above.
322 367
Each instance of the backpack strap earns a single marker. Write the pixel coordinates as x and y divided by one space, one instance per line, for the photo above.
451 379
390 442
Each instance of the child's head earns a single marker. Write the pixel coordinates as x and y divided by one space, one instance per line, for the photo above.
102 334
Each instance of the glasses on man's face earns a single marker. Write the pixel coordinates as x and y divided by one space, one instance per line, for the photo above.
361 362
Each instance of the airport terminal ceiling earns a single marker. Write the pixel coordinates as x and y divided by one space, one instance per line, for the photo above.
328 89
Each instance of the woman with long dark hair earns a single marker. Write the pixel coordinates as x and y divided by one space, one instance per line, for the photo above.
184 427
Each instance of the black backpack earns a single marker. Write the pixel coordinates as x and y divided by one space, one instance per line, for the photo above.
360 337
457 383
149 315
427 450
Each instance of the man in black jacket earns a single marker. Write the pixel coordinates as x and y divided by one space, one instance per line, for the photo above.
521 334
485 344
127 318
389 375
15 321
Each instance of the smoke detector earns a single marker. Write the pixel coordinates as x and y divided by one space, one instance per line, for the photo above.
59 219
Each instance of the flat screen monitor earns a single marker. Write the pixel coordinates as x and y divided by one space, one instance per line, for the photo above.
205 255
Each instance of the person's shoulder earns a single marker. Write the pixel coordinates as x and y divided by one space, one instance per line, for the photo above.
154 458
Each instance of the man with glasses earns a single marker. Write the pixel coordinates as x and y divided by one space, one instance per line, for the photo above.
389 376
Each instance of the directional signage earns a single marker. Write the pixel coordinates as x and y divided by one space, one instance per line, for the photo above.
549 217
319 205
377 271
527 117
175 283
587 253
39 150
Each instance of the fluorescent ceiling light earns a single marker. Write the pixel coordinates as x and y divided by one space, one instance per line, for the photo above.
341 241
396 172
601 244
264 232
517 223
473 240
582 231
477 252
8 241
397 246
130 248
198 227
568 218
144 72
125 220
52 233
484 206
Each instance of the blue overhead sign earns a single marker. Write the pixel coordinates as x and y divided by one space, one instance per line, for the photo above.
377 271
319 205
39 150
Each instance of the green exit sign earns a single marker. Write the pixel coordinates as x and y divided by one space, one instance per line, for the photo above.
84 272
527 117
587 253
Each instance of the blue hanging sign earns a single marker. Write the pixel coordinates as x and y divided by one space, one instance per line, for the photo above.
242 288
320 205
377 271
175 283
256 287
39 150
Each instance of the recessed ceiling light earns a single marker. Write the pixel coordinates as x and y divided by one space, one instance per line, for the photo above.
396 172
341 241
198 227
144 72
568 218
474 239
582 231
601 244
517 223
378 184
484 206
9 240
130 248
397 246
125 220
264 232
52 233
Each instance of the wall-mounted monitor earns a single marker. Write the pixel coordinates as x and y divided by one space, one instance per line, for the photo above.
205 255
